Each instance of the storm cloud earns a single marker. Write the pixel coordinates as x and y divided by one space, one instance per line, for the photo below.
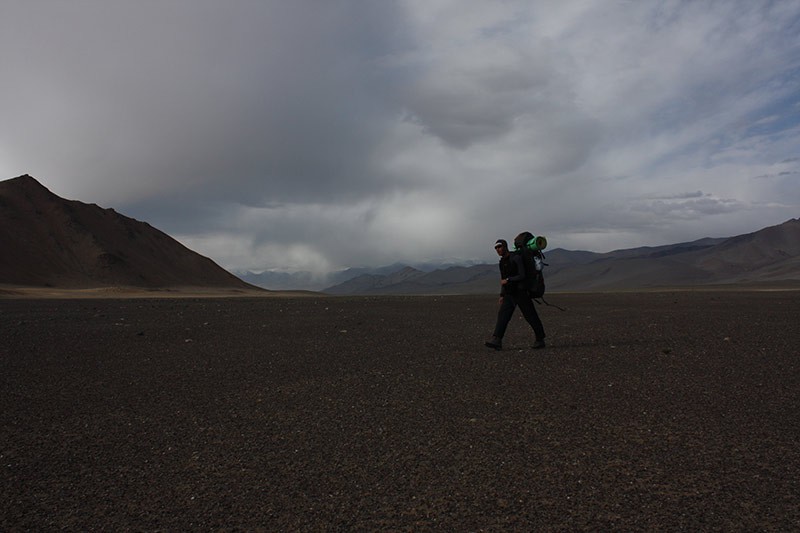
318 135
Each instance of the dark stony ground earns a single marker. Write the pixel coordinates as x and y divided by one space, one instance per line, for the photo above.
661 411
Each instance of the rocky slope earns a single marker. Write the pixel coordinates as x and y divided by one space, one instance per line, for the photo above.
49 241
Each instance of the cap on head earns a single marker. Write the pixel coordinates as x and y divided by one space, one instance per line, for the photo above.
501 242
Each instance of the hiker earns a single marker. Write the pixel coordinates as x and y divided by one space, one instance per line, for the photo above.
512 294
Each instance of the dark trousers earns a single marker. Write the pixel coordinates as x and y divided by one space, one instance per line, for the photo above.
526 305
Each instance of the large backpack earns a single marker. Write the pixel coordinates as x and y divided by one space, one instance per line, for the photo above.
530 247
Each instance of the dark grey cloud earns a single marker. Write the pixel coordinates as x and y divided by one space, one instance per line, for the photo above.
693 207
249 101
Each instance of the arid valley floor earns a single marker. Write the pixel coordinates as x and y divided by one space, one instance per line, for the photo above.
647 411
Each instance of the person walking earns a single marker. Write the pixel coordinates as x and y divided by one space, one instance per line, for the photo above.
513 294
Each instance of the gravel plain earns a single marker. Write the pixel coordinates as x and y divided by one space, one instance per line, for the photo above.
659 411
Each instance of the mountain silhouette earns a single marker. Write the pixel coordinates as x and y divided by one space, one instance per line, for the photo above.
768 257
47 241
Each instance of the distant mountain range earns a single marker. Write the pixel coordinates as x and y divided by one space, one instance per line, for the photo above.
769 257
304 280
47 241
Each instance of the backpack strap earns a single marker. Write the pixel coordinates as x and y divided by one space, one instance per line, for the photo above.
547 303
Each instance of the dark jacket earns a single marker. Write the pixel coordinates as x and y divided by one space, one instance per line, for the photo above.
512 268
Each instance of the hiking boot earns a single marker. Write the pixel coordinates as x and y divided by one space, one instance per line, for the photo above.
495 343
539 344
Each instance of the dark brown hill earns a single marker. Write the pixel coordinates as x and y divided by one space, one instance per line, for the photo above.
49 241
752 256
769 255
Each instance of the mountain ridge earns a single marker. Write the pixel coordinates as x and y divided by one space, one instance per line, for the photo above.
49 241
766 256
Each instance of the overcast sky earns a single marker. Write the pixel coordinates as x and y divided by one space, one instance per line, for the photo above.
320 134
